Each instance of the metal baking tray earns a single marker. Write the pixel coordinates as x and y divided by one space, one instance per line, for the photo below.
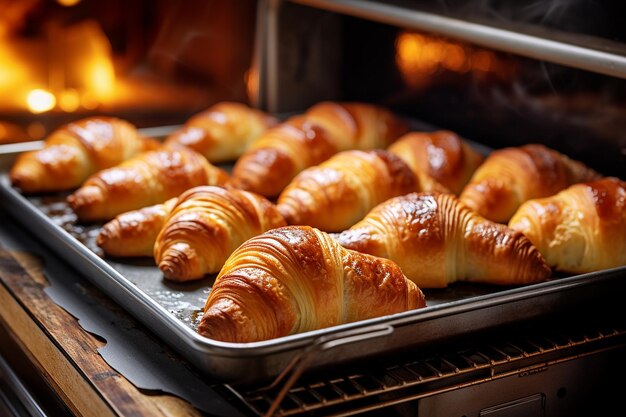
171 310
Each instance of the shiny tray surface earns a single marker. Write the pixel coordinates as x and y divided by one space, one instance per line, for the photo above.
173 310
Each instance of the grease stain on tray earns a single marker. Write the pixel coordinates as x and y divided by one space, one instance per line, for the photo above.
184 301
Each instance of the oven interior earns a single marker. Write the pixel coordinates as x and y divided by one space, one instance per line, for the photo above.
154 63
379 52
499 91
508 90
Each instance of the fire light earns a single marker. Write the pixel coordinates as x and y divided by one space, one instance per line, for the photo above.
69 100
251 79
102 78
39 101
419 56
68 3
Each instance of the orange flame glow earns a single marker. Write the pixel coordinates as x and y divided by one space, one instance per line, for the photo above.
419 56
251 79
68 69
40 101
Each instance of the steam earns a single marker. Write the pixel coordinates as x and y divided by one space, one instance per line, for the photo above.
560 14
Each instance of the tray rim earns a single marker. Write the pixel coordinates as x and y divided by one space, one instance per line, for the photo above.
124 290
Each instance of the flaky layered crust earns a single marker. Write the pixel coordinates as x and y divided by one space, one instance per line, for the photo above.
296 279
511 176
581 229
75 151
437 240
133 233
223 132
441 156
206 226
147 179
337 193
309 139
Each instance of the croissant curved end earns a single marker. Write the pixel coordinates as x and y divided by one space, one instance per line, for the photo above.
179 262
24 179
84 199
535 269
224 323
289 209
109 231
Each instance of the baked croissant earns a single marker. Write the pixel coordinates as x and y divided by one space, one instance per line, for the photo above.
337 193
581 229
75 151
149 178
295 279
206 226
223 132
442 156
134 232
511 176
437 240
306 140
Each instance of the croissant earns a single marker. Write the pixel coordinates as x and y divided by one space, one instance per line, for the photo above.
206 226
437 240
134 232
306 140
442 156
510 176
75 151
337 193
296 279
581 229
149 178
223 131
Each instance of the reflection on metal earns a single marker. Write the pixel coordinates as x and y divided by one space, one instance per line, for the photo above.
419 56
544 47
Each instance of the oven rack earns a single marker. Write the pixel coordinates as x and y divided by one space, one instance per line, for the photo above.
418 374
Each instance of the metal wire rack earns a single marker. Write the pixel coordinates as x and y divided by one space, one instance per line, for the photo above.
417 374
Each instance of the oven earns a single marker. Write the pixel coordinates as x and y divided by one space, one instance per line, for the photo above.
499 74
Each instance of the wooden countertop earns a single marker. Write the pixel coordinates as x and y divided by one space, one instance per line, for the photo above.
64 353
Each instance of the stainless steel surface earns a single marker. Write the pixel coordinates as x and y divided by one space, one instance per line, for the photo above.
9 152
16 397
524 369
547 48
317 78
449 313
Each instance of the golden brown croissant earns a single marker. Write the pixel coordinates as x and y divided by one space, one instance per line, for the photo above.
441 155
306 140
223 132
437 240
149 178
510 176
337 193
206 226
133 233
581 229
75 151
296 279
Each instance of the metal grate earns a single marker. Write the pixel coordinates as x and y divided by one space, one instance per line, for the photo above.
419 374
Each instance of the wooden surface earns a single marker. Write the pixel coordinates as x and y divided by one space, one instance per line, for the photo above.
65 354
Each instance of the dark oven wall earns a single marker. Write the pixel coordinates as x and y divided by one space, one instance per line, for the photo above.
508 102
492 97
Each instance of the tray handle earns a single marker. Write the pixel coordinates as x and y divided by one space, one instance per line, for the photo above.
300 362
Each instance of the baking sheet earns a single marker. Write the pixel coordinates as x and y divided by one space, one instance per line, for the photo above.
185 300
172 310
